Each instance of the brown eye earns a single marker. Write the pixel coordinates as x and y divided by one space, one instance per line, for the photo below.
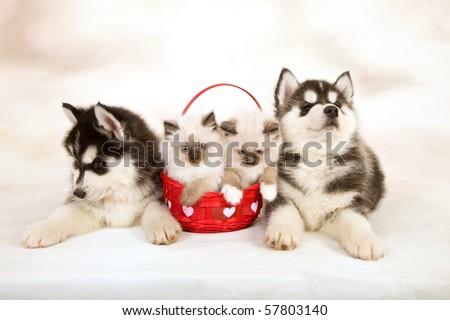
259 151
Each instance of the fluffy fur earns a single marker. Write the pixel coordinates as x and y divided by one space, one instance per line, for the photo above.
325 189
116 164
193 155
249 157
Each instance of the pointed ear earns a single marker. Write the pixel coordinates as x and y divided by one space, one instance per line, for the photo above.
108 122
286 86
170 128
271 127
344 85
72 113
209 120
229 127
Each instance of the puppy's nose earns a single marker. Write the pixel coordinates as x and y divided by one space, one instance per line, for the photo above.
251 158
79 193
194 155
331 111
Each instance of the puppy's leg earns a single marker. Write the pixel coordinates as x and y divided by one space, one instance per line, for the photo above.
159 225
284 228
64 222
232 188
354 233
196 189
268 183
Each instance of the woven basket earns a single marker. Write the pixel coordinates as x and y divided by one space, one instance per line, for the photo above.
212 213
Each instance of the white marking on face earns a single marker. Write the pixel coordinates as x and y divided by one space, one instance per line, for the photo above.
90 154
310 96
332 96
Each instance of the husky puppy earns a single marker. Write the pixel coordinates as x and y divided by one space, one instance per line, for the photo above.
116 183
193 155
252 152
325 186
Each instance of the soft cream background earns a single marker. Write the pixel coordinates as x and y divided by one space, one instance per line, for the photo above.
153 56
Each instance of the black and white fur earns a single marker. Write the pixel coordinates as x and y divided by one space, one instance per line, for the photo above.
116 183
334 197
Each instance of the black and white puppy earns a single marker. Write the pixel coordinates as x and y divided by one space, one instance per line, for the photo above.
328 178
116 164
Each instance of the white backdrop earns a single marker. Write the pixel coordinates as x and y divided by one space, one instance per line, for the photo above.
153 56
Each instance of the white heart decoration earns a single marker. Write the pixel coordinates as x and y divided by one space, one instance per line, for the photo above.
254 206
188 211
228 212
169 204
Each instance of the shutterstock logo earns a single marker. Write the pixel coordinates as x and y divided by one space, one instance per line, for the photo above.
214 153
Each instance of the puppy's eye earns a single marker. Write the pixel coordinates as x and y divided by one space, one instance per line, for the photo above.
242 152
259 151
97 163
307 107
202 146
185 149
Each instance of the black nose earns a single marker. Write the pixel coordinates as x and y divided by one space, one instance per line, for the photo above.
79 193
331 111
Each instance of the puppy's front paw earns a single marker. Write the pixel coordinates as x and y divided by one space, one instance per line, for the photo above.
43 234
268 191
190 196
282 237
232 194
165 232
364 247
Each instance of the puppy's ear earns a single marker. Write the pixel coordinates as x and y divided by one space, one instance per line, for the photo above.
209 120
344 85
108 122
170 128
271 127
286 86
72 113
229 127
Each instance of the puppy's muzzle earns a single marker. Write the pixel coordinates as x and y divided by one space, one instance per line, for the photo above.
195 155
250 158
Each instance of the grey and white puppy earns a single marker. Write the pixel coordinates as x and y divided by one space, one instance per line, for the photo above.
328 178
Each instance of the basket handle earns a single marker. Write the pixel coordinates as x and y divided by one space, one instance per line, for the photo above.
219 85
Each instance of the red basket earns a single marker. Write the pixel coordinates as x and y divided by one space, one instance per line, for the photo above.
212 213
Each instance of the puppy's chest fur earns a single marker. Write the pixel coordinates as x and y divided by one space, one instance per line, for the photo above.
122 208
305 187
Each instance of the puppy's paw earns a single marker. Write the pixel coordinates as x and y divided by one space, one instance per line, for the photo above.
190 196
364 247
232 194
163 233
268 191
282 237
42 234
